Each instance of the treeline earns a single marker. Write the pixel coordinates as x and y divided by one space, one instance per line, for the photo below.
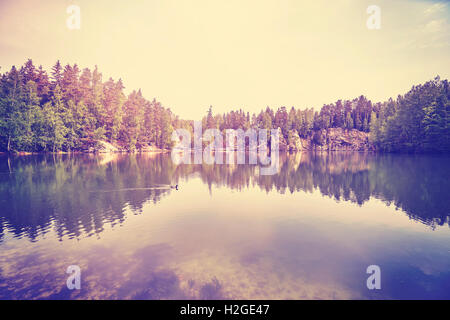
347 114
72 109
354 114
415 122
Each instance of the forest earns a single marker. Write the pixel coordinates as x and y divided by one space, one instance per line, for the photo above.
71 110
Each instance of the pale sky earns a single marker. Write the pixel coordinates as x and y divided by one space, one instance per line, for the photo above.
231 54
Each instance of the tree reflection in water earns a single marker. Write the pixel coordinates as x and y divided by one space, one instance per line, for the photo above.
76 195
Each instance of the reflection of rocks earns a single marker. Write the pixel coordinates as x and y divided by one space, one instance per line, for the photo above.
105 158
336 162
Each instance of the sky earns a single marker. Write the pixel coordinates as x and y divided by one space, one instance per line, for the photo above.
231 54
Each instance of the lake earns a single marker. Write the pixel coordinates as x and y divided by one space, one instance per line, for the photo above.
308 232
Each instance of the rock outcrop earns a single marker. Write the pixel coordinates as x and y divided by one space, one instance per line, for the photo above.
332 139
103 147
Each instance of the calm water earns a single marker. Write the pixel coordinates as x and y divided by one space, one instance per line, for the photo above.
308 232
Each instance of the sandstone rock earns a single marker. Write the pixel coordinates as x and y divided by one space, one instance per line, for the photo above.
332 139
104 147
295 142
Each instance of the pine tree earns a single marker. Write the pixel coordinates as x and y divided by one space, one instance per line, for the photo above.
57 75
210 123
54 112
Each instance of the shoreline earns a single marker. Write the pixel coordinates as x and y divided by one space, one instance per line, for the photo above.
22 153
26 153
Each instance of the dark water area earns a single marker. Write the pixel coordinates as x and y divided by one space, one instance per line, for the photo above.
308 232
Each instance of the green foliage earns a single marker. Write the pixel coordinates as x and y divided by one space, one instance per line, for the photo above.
72 112
417 122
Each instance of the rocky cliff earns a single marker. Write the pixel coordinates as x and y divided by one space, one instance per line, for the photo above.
332 139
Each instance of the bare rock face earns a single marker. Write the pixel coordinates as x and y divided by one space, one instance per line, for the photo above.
103 147
151 148
334 139
295 142
282 144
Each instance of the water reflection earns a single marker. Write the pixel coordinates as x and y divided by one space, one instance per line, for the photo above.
77 195
308 232
417 184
